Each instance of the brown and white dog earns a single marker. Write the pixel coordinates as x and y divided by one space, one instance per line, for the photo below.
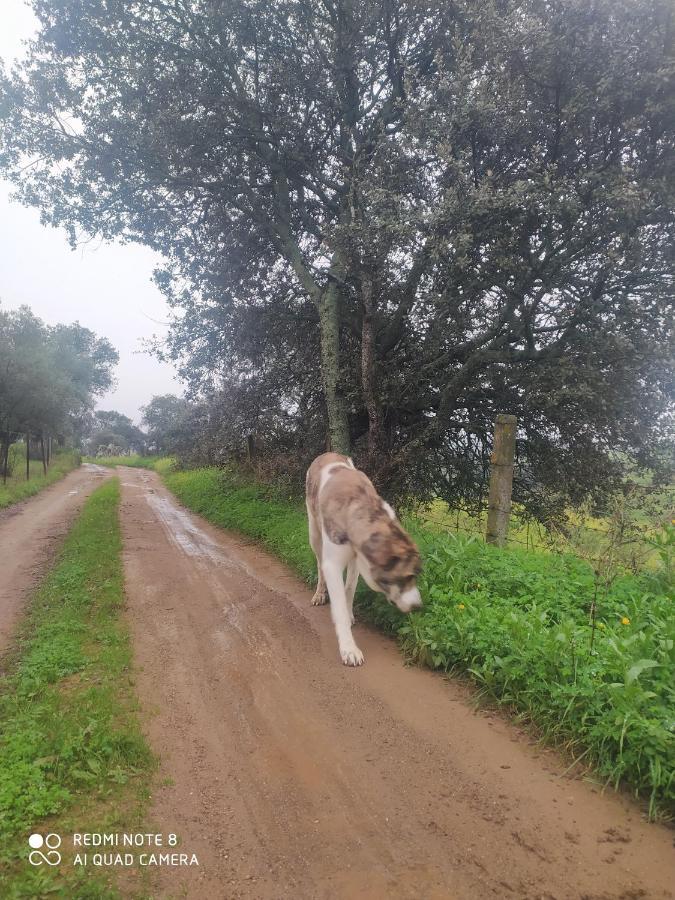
351 526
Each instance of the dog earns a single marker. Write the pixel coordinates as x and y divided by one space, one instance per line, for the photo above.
352 527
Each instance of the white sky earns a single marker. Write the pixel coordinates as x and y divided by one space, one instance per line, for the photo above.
106 288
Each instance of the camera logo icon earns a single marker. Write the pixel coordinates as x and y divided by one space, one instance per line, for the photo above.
51 856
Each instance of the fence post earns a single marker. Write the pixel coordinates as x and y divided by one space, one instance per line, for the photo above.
501 479
44 455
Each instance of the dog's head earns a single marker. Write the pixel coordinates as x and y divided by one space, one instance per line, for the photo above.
394 563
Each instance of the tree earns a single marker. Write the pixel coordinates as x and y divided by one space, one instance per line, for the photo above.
111 427
456 209
48 376
164 417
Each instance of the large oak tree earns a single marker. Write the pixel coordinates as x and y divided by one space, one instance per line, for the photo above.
446 209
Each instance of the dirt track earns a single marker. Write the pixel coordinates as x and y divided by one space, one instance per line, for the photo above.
30 532
293 776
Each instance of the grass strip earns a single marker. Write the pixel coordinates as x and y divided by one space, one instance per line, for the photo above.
17 488
517 623
72 754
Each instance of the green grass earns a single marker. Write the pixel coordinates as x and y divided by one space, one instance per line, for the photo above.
17 488
516 622
72 754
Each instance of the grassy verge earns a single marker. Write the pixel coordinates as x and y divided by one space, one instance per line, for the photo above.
17 488
72 755
518 623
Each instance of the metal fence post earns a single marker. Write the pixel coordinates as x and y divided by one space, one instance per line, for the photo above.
501 479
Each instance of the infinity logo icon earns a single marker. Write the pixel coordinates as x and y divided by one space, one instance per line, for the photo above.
52 857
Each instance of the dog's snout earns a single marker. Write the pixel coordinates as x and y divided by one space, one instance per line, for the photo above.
409 600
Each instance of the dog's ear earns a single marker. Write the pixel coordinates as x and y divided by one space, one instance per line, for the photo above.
404 556
385 553
391 562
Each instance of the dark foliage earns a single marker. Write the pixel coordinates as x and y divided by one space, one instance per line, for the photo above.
387 221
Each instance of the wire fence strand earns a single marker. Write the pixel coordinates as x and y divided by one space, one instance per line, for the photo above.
545 541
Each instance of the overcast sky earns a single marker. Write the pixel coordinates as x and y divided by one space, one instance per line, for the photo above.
106 287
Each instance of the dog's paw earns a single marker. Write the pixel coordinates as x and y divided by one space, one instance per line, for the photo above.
319 600
352 656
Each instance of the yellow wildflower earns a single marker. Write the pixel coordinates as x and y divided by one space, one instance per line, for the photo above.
625 621
460 606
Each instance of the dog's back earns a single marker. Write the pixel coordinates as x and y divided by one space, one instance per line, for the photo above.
316 476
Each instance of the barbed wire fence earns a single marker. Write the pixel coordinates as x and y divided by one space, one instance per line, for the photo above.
491 522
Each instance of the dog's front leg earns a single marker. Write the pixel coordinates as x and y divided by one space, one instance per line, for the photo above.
350 653
319 597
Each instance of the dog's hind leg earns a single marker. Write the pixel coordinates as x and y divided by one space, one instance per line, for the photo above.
349 652
350 586
320 596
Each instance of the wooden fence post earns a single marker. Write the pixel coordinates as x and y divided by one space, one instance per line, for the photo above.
44 455
501 479
5 457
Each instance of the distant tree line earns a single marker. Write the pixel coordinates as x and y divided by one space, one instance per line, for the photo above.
167 428
49 377
383 221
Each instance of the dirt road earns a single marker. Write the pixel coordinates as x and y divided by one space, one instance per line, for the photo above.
293 776
30 532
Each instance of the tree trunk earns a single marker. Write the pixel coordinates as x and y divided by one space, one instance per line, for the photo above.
329 324
28 457
368 381
327 300
44 457
5 458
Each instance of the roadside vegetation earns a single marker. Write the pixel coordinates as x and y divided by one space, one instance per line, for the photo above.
17 488
586 658
72 755
633 517
50 376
